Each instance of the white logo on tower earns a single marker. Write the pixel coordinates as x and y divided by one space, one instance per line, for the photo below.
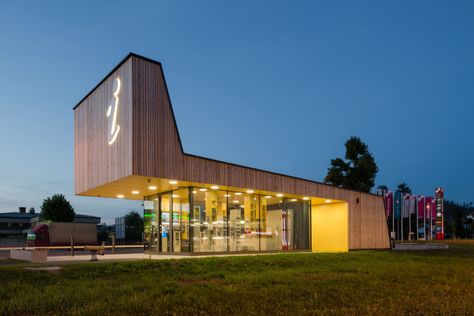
112 113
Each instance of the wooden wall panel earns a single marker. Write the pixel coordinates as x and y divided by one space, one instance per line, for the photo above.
156 144
95 161
367 222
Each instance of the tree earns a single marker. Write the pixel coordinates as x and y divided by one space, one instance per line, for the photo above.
104 232
382 189
133 227
404 188
357 171
57 208
458 221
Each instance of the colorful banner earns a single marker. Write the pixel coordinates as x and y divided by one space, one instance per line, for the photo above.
433 208
430 207
412 204
388 203
428 211
398 204
421 206
406 205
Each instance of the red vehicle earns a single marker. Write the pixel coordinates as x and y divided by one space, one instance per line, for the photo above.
61 234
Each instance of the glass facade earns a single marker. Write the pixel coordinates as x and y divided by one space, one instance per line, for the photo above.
167 222
243 222
209 220
204 220
284 224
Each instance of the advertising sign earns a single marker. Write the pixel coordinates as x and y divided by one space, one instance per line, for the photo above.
439 213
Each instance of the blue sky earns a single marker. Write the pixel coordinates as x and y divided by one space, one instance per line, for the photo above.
277 85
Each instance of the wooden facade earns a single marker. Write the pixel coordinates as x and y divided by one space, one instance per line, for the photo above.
95 162
149 148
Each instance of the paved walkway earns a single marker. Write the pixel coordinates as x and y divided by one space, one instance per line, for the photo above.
420 246
138 256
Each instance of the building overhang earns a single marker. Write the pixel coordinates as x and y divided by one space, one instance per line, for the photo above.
139 187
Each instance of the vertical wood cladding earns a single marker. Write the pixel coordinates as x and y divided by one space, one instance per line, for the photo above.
149 145
95 161
156 145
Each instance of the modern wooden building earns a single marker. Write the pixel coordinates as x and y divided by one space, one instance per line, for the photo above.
127 145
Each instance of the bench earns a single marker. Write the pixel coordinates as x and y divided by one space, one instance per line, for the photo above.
95 250
30 254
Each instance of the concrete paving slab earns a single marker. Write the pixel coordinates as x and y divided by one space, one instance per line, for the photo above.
420 246
139 256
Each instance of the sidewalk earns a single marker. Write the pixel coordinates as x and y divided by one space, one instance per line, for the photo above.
86 258
140 256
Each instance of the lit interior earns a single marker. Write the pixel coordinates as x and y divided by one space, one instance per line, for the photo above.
221 218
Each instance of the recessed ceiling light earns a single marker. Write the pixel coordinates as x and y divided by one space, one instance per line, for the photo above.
238 193
327 201
294 200
214 187
202 189
173 182
152 187
306 198
249 191
280 194
175 196
236 201
226 195
268 197
194 192
120 196
135 192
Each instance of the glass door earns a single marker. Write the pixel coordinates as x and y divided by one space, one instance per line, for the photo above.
176 228
151 225
166 230
180 220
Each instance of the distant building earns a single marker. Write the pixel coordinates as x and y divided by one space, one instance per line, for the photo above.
17 223
468 220
14 226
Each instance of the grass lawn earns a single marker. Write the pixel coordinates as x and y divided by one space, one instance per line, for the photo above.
361 282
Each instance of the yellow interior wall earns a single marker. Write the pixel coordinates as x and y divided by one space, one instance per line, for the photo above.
330 227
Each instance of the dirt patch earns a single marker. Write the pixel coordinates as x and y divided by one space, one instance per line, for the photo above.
52 270
201 281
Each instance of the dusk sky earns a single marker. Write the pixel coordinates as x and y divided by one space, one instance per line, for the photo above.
276 85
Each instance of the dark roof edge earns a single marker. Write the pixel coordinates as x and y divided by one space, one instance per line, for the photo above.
129 55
